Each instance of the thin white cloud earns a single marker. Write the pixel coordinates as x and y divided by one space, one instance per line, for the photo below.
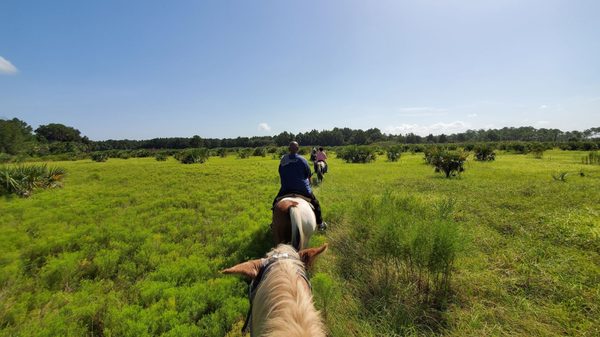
6 67
472 115
543 106
423 130
264 127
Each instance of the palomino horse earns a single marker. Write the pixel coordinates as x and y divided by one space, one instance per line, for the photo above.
280 293
293 221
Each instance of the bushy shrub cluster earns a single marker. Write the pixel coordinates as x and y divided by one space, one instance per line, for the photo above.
244 153
192 156
447 161
22 180
99 156
484 152
536 148
394 152
259 152
357 154
221 152
160 156
398 258
582 146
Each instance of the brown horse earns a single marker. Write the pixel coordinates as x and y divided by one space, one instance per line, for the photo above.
280 294
293 221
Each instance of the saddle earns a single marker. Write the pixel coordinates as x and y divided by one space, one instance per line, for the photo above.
295 195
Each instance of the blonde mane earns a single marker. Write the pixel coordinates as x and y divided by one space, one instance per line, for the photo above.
283 303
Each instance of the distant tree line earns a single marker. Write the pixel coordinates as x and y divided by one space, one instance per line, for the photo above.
17 137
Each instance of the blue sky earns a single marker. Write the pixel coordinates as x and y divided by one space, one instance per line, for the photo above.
144 69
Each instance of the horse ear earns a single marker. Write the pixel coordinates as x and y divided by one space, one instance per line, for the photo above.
309 255
247 269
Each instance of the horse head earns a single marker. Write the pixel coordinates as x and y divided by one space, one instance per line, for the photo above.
280 293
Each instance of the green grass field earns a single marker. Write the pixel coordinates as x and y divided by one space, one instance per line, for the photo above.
134 247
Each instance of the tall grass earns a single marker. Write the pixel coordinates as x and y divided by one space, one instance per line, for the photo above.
22 180
398 258
593 158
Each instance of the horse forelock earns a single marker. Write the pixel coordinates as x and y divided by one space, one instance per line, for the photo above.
284 249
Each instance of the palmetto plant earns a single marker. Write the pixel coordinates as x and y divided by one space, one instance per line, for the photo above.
484 152
24 179
560 176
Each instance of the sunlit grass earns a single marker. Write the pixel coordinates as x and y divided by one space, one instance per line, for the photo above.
133 247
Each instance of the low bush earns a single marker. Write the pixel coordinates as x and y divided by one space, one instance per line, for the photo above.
99 156
393 153
259 152
244 153
192 156
22 180
222 152
5 157
451 163
484 152
143 153
124 155
357 154
537 149
160 156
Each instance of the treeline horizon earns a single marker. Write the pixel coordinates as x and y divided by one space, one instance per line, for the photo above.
17 136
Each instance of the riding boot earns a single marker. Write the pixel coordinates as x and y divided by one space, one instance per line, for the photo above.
317 206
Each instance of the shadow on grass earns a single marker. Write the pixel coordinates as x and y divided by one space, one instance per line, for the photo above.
259 244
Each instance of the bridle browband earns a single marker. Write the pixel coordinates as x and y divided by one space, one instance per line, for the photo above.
266 265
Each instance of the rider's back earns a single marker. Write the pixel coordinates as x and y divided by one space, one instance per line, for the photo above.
294 173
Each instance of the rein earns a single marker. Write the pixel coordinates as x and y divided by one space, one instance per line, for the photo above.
266 266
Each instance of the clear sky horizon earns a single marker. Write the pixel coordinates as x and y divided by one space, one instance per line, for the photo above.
143 69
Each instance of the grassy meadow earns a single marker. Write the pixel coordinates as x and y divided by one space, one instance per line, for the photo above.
134 248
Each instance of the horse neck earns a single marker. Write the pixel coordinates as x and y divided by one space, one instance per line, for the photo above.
283 304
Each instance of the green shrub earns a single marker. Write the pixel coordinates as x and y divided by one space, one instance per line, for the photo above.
143 153
99 156
394 153
192 156
222 152
244 153
24 179
124 154
259 152
5 157
537 149
484 152
469 147
160 156
304 150
449 162
357 154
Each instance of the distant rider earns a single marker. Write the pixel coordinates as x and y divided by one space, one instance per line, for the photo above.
313 155
295 174
321 156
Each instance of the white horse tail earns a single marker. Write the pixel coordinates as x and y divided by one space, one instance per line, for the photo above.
297 232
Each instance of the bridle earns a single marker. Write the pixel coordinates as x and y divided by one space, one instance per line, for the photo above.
266 266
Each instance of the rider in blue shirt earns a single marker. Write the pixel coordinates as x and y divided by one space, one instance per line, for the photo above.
295 174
